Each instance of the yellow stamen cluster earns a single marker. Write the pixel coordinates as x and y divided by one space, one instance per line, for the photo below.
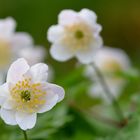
112 65
77 36
28 96
110 68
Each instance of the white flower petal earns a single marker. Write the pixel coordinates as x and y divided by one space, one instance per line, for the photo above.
88 55
67 17
8 104
16 70
8 116
7 26
60 52
55 33
89 16
85 57
21 40
2 100
54 94
26 120
57 90
4 93
4 90
51 100
38 72
33 54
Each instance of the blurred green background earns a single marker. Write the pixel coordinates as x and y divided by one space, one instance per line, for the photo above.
121 28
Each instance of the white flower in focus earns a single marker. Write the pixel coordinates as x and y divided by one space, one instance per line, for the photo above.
27 93
77 34
11 42
109 61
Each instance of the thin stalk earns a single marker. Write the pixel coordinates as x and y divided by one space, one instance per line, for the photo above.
25 135
96 116
108 92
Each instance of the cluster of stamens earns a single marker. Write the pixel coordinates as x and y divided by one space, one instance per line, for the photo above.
77 35
112 66
28 96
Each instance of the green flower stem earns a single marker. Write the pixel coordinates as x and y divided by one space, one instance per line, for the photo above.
25 135
96 116
108 92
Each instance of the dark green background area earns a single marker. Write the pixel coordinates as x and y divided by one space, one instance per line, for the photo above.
120 19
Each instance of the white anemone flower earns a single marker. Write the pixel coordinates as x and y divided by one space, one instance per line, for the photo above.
27 93
77 34
11 42
109 61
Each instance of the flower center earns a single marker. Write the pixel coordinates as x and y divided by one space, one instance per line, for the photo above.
28 96
79 34
110 69
112 66
5 53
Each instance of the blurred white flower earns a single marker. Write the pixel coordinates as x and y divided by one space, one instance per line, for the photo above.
77 34
27 93
14 45
11 42
109 61
33 54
